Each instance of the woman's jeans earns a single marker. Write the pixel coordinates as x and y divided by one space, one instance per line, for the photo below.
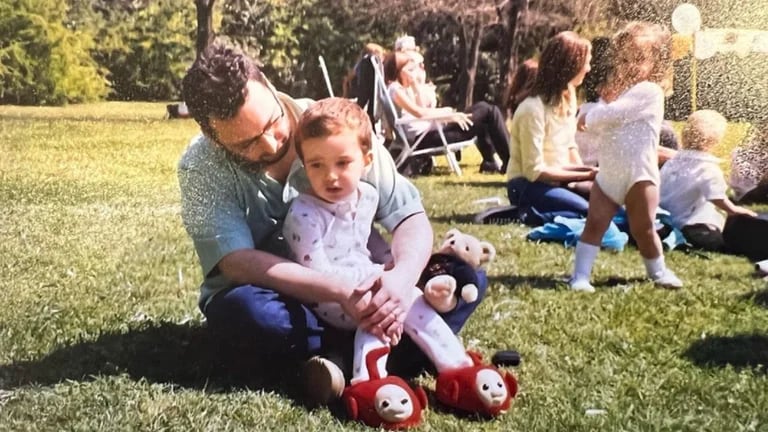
539 201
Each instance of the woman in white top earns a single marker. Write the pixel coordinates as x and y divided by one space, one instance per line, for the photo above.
544 158
483 120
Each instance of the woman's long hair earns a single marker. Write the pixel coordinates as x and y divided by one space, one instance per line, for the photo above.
562 59
520 85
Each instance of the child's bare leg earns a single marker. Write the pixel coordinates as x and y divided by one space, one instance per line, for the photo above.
601 211
642 201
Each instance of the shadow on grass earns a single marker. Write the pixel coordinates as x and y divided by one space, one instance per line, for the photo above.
454 218
759 298
491 184
745 351
616 281
554 282
163 352
535 282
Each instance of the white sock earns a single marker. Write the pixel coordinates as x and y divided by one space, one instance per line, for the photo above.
365 343
654 266
434 337
585 256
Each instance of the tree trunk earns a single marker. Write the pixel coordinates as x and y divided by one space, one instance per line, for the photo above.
508 51
474 58
204 24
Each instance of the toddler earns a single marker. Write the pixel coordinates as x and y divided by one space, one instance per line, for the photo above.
327 229
693 188
628 122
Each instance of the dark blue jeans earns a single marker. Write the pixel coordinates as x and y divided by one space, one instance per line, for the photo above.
543 199
278 328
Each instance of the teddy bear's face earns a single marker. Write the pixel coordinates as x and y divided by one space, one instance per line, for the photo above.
467 248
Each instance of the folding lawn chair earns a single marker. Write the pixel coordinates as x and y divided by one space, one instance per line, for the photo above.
402 148
326 76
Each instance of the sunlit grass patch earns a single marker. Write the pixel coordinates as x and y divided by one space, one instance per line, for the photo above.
100 328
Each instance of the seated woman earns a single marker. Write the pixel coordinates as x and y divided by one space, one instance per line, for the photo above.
520 85
544 158
483 120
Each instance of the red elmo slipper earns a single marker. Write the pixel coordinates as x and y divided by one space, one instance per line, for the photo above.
480 389
387 402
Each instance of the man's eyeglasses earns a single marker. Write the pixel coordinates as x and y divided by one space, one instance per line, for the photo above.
243 146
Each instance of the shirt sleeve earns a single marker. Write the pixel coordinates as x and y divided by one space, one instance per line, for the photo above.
642 98
211 210
713 185
398 197
531 133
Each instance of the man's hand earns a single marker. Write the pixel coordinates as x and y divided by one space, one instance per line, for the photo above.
386 311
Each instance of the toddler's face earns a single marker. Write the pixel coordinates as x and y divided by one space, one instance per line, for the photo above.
334 164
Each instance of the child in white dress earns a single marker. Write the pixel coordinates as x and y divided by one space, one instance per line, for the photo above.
628 123
328 226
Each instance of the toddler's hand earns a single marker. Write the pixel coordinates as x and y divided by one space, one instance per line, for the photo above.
744 211
581 123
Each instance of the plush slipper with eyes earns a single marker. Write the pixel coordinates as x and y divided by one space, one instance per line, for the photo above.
479 389
387 402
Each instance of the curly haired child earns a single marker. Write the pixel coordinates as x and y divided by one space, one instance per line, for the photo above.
629 122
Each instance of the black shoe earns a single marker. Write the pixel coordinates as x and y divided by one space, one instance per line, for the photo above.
490 167
506 358
498 215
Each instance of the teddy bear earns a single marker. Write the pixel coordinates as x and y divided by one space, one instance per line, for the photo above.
452 270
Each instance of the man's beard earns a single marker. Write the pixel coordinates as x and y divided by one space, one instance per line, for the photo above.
256 166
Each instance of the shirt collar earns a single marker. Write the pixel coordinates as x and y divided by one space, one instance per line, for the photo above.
699 155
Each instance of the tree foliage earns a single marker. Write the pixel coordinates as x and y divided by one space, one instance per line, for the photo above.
41 60
145 46
287 36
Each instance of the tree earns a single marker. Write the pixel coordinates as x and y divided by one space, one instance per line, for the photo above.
507 29
204 30
42 61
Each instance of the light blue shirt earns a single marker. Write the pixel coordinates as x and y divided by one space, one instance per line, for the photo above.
226 207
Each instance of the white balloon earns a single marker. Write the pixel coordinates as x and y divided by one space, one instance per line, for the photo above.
686 19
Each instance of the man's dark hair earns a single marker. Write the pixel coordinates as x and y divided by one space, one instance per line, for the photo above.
215 84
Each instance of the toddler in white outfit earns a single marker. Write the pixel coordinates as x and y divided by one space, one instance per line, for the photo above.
628 123
693 188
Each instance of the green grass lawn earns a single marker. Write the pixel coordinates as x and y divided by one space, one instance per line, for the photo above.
99 328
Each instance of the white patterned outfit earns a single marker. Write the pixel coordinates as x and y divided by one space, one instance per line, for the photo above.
629 128
332 238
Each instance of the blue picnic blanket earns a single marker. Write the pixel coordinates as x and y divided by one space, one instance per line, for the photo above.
568 231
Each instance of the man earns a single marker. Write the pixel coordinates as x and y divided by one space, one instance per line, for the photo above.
237 179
